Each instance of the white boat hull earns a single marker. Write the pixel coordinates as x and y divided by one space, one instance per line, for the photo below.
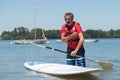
38 41
91 40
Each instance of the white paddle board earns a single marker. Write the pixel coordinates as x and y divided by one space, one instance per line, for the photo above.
58 69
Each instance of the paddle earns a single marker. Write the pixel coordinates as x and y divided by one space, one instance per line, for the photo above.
104 65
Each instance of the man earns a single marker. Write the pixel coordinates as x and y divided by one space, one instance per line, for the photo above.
71 33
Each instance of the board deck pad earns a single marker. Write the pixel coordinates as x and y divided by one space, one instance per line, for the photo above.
58 69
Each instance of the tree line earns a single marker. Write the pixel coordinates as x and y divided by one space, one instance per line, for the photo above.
25 33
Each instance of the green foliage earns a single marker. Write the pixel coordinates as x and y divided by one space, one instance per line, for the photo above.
17 33
6 35
94 34
24 33
52 34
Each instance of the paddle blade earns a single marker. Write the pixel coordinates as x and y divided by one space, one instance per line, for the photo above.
105 65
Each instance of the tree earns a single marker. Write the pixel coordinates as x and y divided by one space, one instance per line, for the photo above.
38 33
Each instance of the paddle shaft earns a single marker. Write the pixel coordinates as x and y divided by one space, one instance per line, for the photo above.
47 47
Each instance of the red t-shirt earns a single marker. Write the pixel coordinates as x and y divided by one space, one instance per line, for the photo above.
67 30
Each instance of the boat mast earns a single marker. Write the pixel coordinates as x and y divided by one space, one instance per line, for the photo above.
35 18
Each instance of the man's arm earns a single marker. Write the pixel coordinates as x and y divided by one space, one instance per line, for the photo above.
80 43
64 39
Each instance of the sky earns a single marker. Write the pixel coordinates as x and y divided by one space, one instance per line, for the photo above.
91 14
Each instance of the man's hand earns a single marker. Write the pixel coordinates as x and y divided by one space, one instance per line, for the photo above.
73 53
74 34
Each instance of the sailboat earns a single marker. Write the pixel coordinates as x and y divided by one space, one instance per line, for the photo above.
40 41
35 40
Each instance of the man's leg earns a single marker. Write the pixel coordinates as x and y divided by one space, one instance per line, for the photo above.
81 62
70 60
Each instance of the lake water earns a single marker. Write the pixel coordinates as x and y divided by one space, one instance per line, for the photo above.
12 58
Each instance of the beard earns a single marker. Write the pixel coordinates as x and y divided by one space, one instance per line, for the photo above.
68 23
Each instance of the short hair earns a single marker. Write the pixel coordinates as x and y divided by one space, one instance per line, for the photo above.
69 14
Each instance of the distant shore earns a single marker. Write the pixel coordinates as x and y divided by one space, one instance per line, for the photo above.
24 33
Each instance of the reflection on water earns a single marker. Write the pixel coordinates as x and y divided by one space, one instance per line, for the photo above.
80 77
69 77
85 76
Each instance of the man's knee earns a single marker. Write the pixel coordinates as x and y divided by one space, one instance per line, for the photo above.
71 61
81 62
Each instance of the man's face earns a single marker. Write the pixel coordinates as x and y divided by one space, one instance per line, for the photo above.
68 20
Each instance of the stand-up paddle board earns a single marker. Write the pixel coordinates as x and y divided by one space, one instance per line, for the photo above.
58 69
